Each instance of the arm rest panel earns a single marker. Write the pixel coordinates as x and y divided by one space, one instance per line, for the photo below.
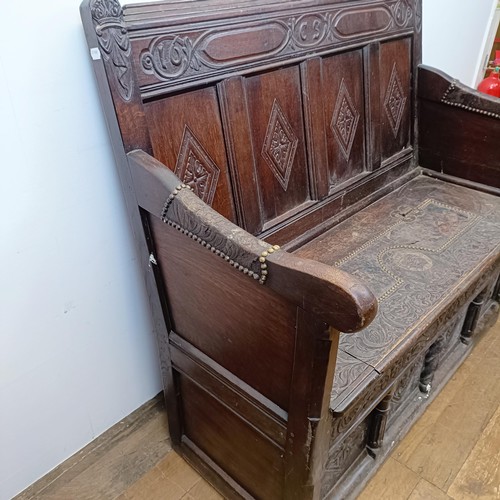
458 129
334 296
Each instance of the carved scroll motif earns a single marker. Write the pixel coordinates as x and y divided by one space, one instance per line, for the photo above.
403 12
341 457
369 396
310 30
114 43
170 57
187 55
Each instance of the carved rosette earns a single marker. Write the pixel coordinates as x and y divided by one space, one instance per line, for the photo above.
280 145
395 101
114 43
345 121
196 169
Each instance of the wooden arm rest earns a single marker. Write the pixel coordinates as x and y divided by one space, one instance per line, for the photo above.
336 297
435 85
458 130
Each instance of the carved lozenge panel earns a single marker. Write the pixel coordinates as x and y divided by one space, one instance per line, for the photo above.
279 145
195 152
196 169
277 138
395 96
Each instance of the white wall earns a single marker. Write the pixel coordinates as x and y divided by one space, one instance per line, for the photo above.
76 348
77 351
454 35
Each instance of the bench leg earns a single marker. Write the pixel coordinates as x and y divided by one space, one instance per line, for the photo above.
472 318
379 421
431 363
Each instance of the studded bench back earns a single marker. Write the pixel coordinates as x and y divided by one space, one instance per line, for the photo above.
270 111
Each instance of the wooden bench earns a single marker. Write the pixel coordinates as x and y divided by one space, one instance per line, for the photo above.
288 170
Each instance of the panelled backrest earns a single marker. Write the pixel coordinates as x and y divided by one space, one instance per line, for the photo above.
268 111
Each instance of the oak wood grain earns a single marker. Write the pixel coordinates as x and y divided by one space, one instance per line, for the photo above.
479 476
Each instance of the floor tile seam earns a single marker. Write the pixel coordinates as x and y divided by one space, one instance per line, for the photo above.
467 458
173 480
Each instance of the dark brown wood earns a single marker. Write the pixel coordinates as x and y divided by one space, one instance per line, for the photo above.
342 102
195 153
459 129
276 122
241 126
395 96
379 422
315 126
371 75
240 153
472 318
343 301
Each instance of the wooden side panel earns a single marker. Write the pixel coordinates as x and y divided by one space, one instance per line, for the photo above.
312 90
459 143
194 151
237 131
276 120
342 101
395 96
241 325
458 129
247 456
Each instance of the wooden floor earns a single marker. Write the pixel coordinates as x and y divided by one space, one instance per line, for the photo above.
453 452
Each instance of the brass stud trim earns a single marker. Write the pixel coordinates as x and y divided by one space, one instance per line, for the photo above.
262 277
472 109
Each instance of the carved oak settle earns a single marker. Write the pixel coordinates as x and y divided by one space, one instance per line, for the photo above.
288 169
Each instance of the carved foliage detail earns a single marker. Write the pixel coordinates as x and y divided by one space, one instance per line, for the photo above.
196 169
395 101
345 121
280 145
114 43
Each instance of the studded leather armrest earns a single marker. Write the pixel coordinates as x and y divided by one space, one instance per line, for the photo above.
337 298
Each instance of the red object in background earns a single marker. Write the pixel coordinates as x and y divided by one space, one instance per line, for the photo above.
491 84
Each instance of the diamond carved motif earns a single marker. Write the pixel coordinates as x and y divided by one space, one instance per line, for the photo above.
395 101
196 169
280 145
345 121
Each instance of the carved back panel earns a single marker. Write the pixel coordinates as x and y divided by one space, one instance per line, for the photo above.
270 111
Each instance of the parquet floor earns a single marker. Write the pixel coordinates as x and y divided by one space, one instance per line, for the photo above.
453 452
